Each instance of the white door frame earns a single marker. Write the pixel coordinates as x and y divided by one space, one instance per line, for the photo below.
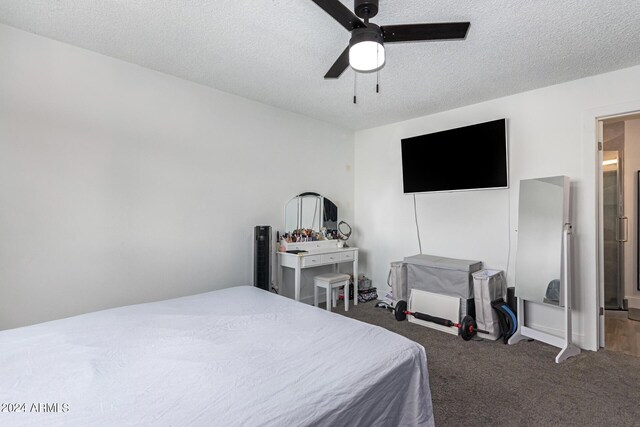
591 137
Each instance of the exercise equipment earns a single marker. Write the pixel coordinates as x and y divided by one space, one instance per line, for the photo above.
506 318
468 328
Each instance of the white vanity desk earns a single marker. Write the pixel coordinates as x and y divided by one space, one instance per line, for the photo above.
319 254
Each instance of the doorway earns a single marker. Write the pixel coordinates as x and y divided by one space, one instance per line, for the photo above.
619 186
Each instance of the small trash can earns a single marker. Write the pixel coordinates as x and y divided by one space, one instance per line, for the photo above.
488 285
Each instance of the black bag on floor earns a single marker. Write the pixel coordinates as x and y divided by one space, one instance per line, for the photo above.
507 319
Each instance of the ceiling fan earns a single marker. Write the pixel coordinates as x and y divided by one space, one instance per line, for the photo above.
365 52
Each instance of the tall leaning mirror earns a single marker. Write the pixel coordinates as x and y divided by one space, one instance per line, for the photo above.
542 214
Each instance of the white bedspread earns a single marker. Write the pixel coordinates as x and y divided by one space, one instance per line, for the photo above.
238 356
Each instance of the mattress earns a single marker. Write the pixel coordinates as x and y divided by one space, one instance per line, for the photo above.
238 356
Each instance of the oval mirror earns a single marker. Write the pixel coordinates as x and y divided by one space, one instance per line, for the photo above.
310 211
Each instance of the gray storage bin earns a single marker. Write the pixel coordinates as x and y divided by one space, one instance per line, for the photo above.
488 285
397 280
446 276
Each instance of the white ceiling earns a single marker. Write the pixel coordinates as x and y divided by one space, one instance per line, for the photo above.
277 51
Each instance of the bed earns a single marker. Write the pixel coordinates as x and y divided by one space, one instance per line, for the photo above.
237 356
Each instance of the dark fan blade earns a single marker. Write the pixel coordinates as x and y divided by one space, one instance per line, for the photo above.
340 13
339 66
420 32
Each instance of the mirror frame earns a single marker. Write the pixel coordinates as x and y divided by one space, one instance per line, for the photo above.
321 217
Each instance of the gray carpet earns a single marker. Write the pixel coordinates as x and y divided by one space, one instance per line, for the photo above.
479 383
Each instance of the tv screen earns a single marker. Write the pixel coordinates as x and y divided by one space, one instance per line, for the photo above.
467 158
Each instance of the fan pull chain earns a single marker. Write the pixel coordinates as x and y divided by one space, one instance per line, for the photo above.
378 70
355 78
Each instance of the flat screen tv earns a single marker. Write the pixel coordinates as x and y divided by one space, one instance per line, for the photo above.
468 158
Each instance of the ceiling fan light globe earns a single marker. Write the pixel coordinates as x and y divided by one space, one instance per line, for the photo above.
367 56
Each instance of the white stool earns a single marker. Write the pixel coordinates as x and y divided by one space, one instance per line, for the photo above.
331 282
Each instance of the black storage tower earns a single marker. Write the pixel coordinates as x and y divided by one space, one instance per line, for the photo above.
262 257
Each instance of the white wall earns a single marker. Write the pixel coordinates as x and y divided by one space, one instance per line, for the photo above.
551 132
119 184
631 168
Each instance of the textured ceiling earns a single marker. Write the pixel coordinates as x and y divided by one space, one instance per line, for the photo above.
277 51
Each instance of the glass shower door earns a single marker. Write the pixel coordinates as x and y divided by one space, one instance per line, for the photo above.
614 230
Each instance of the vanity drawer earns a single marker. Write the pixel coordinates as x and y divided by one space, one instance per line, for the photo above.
330 258
346 256
311 260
